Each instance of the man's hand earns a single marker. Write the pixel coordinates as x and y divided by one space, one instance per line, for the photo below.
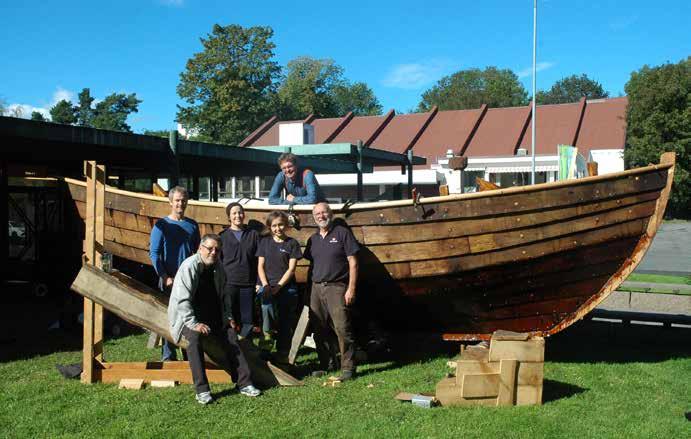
204 329
349 296
168 282
290 198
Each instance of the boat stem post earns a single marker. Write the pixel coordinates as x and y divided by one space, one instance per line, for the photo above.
93 249
359 170
410 173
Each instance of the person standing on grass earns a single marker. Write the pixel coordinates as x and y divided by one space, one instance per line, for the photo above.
240 265
173 239
300 184
277 256
333 253
196 311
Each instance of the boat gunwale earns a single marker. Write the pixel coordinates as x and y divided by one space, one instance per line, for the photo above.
377 205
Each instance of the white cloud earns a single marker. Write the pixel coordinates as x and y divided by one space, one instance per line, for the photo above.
62 94
415 75
25 110
538 68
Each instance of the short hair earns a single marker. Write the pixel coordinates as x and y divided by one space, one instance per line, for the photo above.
328 208
273 215
179 190
211 236
287 157
230 206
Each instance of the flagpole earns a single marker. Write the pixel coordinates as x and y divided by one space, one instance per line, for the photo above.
532 146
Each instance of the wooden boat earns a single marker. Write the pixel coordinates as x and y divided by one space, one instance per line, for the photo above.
529 259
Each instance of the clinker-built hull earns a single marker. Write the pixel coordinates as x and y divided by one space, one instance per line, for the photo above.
530 259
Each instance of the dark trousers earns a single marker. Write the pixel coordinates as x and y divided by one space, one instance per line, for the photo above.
244 297
228 339
329 314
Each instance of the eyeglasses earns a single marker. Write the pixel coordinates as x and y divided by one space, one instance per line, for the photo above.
211 249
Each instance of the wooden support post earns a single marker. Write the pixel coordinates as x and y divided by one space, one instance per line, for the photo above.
359 171
410 173
93 249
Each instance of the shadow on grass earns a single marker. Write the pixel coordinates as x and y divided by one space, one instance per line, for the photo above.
591 341
556 390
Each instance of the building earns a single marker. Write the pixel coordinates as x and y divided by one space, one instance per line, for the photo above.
496 141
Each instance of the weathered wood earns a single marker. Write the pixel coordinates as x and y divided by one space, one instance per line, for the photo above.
480 385
299 334
131 383
87 376
147 308
530 351
507 382
485 185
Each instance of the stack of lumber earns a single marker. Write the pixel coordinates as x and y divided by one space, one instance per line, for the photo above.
510 372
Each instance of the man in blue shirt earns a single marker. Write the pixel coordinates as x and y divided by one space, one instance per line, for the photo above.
301 185
173 239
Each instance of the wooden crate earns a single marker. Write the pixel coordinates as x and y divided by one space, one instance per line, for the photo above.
510 372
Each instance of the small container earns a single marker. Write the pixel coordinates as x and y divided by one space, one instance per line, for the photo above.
107 262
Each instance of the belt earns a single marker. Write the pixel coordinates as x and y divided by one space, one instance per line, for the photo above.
324 284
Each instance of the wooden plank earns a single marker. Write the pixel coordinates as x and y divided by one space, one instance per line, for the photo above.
163 383
147 308
529 395
131 383
532 350
484 385
529 374
507 382
183 376
87 376
299 334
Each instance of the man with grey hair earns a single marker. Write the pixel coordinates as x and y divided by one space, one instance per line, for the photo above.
173 239
300 184
196 311
333 253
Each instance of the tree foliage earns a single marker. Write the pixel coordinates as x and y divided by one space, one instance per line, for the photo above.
111 113
36 115
317 86
572 89
157 133
658 119
230 85
63 112
84 111
473 87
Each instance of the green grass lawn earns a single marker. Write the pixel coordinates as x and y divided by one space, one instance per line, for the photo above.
599 383
657 278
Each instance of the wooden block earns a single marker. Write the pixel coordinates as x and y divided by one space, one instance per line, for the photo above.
475 367
447 392
507 382
530 374
475 353
131 383
299 334
529 395
162 383
530 350
480 385
501 334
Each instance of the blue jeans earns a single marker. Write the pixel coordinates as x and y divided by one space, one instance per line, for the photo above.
279 312
168 349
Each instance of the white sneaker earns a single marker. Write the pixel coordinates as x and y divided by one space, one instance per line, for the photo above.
250 391
309 342
204 398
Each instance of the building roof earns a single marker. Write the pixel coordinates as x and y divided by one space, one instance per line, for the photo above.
482 132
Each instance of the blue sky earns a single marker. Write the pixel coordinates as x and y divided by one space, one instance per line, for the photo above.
52 49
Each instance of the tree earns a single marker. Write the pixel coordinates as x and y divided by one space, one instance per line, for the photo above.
157 133
572 89
35 115
63 112
230 85
84 111
358 98
317 86
111 113
473 87
658 119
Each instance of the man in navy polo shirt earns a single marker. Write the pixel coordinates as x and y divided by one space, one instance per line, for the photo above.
332 251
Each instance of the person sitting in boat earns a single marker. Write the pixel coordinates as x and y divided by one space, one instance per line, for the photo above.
277 255
173 239
333 253
300 184
196 310
240 264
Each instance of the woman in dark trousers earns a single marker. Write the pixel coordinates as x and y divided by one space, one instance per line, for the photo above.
240 265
